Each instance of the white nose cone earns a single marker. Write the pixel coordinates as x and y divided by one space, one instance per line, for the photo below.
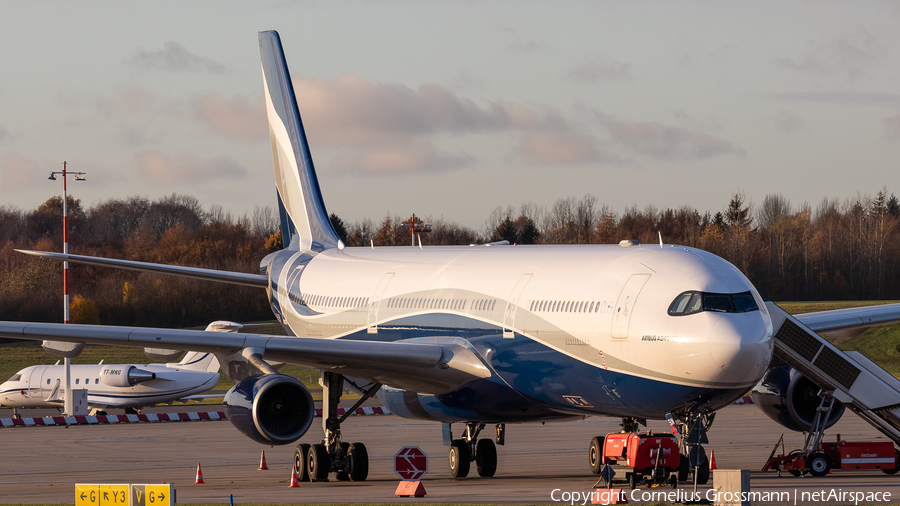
741 347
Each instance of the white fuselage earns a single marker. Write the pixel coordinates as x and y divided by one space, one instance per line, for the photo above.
43 386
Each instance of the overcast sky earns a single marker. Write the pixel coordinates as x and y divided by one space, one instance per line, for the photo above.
450 109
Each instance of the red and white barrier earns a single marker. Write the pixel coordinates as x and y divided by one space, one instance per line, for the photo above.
152 417
744 400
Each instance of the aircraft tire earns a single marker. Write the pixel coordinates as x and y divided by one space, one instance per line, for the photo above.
684 467
359 462
486 458
595 454
343 475
317 462
703 472
300 456
459 458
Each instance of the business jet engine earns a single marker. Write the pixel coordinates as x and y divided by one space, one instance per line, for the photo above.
271 409
791 399
124 375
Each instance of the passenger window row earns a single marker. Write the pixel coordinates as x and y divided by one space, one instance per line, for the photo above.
566 306
416 303
327 301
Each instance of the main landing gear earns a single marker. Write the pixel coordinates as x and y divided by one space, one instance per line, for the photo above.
348 461
470 449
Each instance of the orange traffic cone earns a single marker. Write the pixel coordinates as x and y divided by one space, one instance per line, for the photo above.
294 481
199 475
712 460
262 462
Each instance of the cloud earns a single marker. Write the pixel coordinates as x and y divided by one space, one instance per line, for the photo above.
174 57
518 43
17 171
157 167
838 97
419 156
236 117
892 128
560 148
670 143
600 68
789 122
848 55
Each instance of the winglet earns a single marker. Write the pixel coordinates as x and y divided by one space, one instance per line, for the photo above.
304 221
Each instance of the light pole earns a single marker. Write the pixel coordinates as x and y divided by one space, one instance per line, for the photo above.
78 176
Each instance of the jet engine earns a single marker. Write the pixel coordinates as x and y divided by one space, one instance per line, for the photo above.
271 409
124 375
791 399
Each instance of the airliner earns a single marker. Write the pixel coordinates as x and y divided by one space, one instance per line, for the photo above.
127 386
469 335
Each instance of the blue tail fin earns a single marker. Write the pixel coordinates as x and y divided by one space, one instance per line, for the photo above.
304 221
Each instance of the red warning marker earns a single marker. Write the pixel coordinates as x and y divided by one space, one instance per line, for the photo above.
294 481
712 460
262 462
199 474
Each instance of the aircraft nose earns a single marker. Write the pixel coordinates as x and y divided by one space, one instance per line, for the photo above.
741 347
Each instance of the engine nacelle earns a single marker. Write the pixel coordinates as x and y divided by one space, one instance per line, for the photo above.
271 409
790 399
124 375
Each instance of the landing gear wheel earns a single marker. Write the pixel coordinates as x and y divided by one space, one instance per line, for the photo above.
595 455
673 480
698 454
300 456
359 462
343 475
317 463
633 480
684 468
486 458
459 458
818 463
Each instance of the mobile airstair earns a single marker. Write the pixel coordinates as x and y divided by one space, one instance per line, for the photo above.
847 376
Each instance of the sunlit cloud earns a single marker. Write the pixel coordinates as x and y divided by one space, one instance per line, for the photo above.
418 157
174 57
670 143
234 117
560 149
158 167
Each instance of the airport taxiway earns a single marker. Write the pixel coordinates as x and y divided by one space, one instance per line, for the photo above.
43 464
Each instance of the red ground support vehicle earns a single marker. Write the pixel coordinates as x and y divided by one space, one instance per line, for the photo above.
838 455
638 458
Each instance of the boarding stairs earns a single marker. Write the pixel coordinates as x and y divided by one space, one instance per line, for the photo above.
847 376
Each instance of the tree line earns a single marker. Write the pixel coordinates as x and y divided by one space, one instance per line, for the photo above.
837 250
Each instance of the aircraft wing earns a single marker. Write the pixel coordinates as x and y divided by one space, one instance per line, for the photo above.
433 367
240 278
850 322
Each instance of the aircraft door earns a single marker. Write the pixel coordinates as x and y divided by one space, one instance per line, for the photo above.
621 317
375 303
509 316
47 383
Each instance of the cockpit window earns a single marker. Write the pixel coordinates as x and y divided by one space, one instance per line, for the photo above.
16 377
695 302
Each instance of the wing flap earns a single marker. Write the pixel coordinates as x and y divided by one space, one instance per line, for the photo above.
238 278
423 367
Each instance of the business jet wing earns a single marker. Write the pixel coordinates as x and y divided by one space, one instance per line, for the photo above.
850 322
240 278
432 367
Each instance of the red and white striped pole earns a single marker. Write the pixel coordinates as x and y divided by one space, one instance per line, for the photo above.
65 251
